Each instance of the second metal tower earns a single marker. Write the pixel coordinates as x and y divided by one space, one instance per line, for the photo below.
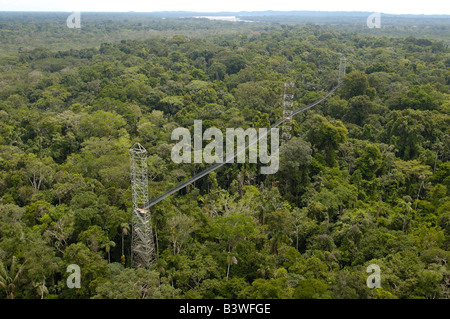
288 110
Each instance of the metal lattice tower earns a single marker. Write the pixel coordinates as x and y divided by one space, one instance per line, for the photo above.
142 245
288 110
342 65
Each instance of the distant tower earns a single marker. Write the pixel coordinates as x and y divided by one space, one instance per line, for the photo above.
288 110
342 65
142 245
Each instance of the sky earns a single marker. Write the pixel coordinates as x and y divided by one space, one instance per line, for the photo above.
383 6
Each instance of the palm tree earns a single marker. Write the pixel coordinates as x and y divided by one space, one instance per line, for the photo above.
108 246
230 261
9 279
42 289
125 231
406 205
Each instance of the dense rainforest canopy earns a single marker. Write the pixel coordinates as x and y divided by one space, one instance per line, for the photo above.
364 180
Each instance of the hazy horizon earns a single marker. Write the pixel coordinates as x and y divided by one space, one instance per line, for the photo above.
431 7
227 12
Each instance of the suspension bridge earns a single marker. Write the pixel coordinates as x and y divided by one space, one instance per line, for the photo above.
142 243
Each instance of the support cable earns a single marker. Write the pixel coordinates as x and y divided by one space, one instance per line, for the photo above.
230 158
